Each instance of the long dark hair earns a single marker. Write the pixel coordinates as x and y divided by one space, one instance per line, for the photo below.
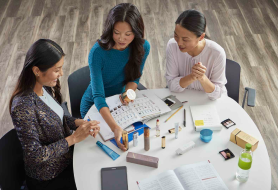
126 12
44 54
194 21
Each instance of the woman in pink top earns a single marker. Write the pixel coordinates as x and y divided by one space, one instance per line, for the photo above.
194 62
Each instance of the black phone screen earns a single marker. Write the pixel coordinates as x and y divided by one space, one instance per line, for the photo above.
169 102
114 178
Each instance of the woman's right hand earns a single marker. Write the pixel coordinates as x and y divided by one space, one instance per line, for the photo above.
193 75
118 132
83 131
124 102
199 71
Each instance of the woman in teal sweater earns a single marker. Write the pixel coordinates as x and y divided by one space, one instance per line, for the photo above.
116 61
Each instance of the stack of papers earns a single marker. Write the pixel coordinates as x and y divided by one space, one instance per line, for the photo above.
205 117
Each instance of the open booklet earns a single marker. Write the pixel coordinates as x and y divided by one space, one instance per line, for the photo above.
146 106
205 117
199 176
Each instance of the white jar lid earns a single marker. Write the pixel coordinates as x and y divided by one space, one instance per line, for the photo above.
179 151
131 94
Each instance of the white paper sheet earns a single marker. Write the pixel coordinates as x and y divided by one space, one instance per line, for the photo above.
164 181
199 176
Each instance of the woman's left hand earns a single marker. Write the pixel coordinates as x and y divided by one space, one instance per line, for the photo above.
79 122
199 71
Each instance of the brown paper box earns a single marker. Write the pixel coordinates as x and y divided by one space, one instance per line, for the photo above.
241 138
142 159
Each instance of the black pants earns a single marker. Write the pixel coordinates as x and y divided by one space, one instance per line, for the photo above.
64 180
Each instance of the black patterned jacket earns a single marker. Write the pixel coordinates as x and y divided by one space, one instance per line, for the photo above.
42 135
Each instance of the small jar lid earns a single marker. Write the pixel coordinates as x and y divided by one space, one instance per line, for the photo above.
179 151
248 146
131 94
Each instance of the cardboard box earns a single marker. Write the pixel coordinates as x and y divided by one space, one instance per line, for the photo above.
241 138
142 159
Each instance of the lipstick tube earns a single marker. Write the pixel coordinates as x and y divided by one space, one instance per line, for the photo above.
125 139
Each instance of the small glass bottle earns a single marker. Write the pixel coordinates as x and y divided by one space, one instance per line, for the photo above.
157 128
135 139
244 163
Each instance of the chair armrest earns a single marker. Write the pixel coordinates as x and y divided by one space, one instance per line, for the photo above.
65 108
141 87
251 95
24 186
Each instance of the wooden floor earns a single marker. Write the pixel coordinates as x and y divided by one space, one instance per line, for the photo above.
246 29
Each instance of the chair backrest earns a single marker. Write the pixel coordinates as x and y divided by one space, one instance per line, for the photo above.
78 82
12 173
233 79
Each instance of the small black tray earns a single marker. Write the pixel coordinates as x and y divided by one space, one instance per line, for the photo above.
227 151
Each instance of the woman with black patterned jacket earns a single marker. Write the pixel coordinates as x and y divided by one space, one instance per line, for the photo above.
42 128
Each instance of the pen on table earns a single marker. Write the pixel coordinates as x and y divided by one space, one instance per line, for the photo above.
184 102
173 114
184 118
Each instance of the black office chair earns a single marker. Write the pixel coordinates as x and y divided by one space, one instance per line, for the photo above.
233 84
12 173
78 82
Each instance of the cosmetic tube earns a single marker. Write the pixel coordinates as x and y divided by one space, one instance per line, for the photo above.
125 139
176 130
108 151
163 142
157 128
173 130
135 138
146 138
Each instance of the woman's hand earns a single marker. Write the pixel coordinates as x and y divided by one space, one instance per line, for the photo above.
94 132
79 122
193 76
84 130
123 101
118 132
199 71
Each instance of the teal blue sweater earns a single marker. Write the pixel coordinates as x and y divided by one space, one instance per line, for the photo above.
107 75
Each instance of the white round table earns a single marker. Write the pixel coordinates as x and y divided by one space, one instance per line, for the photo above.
88 158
